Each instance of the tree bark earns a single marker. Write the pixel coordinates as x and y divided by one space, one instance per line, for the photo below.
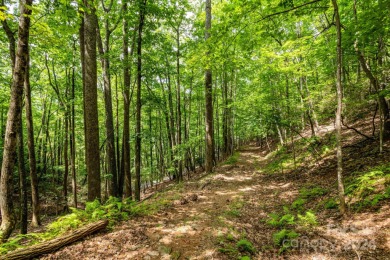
109 120
57 243
91 120
35 221
178 124
142 7
127 101
339 110
22 181
73 140
13 121
210 153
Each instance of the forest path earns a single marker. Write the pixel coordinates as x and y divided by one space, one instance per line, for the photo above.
189 228
213 213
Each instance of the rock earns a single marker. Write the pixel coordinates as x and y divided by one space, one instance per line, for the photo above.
153 253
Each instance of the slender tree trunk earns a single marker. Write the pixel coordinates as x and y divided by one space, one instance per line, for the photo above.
66 159
22 181
210 153
339 110
109 120
178 124
142 7
91 120
171 120
127 101
119 152
35 221
13 121
73 141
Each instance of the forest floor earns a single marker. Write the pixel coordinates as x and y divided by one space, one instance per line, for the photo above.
227 215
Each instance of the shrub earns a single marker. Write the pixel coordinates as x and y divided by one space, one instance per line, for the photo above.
245 246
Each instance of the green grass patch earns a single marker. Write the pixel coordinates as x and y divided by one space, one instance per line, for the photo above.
310 193
235 208
232 159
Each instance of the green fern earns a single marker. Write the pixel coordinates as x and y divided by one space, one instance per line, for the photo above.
245 246
283 239
307 220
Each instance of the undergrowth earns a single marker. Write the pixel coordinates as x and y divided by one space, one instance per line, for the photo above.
288 221
235 208
114 210
232 159
307 151
240 248
368 188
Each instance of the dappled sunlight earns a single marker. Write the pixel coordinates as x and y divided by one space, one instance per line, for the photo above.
231 194
235 178
179 230
287 195
284 186
207 254
247 189
236 202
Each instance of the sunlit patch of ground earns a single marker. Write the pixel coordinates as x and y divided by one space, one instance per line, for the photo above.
234 201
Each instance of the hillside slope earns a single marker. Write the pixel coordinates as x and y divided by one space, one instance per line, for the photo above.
258 206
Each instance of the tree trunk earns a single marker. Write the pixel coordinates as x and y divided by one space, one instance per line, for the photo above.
210 153
22 181
55 244
91 120
142 7
178 124
35 221
13 122
339 110
109 122
127 101
73 141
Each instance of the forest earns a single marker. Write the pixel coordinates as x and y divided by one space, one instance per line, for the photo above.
191 129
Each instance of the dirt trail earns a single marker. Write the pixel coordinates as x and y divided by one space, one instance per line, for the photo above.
235 200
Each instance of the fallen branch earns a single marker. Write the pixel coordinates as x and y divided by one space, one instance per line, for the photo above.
55 244
356 131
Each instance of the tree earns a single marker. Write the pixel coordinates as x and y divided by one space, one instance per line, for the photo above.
14 121
91 121
104 51
126 98
210 153
35 221
142 10
339 88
